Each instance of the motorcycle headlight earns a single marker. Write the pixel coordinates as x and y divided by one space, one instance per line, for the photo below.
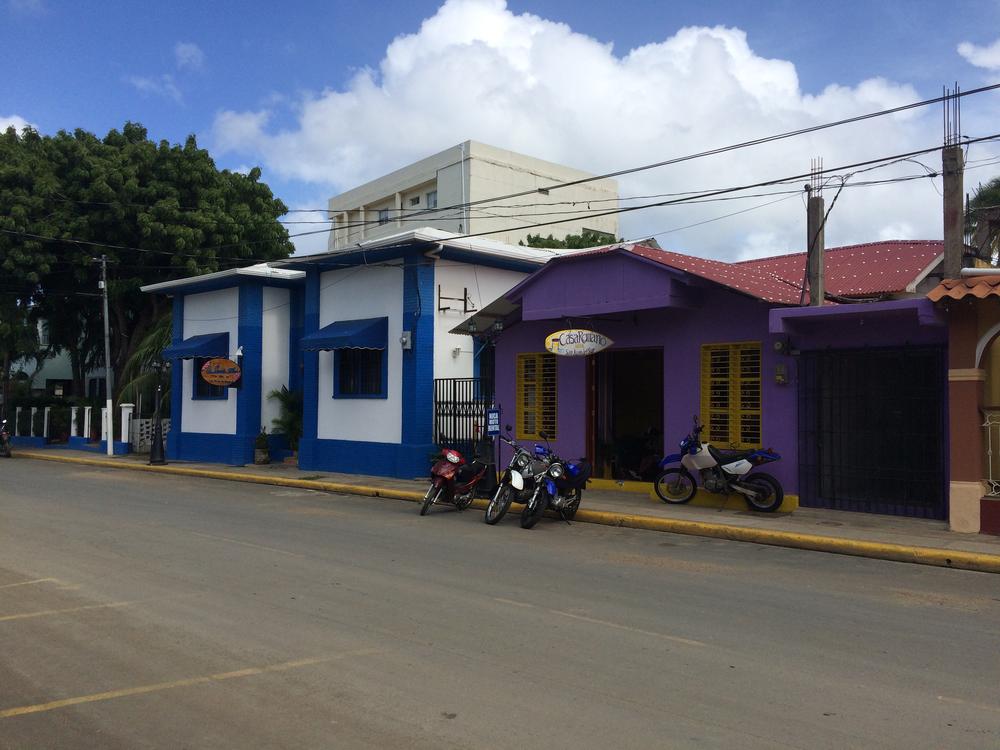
522 461
556 471
452 456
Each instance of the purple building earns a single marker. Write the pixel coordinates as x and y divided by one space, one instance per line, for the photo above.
851 393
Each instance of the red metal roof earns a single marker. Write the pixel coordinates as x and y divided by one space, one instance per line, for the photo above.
855 270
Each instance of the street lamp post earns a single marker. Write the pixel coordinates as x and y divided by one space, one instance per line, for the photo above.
156 457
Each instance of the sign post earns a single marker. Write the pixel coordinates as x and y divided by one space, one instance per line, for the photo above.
493 431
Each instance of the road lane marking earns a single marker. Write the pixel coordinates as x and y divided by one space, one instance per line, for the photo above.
606 623
971 704
619 626
247 544
511 601
28 583
45 612
189 682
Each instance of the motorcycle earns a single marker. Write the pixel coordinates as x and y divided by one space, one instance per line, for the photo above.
721 472
4 439
560 488
453 480
517 482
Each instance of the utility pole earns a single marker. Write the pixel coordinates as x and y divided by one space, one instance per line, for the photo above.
815 219
952 168
110 420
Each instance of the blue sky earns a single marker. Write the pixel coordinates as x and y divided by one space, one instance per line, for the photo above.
285 87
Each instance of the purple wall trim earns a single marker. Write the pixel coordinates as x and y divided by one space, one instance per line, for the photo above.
710 315
789 319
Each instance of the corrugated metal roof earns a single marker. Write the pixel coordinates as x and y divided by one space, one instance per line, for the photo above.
968 286
854 270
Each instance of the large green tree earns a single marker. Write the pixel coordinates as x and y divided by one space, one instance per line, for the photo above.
156 210
587 238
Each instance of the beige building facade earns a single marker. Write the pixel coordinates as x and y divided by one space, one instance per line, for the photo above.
437 192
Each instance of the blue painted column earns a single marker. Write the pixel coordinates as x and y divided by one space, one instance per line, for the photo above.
248 395
176 381
310 374
418 365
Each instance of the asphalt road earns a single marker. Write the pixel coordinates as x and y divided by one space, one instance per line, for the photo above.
145 611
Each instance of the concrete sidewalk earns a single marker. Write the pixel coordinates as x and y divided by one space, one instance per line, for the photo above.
868 535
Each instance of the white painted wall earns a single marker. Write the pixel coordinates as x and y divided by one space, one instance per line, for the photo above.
352 294
484 285
210 312
275 333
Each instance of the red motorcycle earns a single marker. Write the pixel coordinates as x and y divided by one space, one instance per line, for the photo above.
453 481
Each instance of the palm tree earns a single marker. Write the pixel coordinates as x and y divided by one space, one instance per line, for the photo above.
140 373
289 421
982 219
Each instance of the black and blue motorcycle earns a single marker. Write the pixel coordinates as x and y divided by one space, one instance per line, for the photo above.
560 488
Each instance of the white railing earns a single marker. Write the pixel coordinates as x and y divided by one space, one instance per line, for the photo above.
991 443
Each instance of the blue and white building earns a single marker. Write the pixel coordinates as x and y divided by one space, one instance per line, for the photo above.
363 332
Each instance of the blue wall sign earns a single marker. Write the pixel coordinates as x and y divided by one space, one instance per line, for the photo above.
492 422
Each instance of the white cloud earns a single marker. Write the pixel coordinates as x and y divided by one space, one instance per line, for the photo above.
982 57
157 85
476 70
15 121
189 55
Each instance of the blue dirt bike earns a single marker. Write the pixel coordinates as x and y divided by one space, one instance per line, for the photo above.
721 472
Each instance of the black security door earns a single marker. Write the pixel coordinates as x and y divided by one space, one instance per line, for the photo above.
872 427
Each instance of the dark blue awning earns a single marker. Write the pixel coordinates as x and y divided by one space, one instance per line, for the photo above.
369 333
205 345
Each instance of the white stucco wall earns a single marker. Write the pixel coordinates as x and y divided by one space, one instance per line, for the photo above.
352 294
484 285
474 171
210 312
274 369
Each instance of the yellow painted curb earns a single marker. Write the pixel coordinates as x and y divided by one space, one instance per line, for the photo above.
977 561
702 498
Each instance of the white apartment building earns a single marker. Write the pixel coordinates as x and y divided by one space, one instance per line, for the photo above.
435 192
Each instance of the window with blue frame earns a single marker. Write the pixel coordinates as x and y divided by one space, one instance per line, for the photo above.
203 390
360 373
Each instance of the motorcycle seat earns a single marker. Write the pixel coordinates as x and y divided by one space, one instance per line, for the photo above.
728 457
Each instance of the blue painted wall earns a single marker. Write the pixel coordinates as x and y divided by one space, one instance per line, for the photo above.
248 395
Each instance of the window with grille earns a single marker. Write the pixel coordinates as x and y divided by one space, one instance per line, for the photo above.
201 388
359 373
730 394
536 396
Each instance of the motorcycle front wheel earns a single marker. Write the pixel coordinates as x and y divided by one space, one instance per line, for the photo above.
531 514
432 496
675 486
499 504
569 512
770 492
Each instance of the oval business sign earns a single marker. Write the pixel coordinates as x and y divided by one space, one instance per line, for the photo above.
576 342
220 371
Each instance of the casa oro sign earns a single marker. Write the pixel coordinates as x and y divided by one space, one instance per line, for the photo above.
576 342
220 371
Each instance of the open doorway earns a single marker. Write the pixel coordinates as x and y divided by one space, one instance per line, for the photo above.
628 413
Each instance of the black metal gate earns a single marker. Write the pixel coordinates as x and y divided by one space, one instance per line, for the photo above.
460 406
872 431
